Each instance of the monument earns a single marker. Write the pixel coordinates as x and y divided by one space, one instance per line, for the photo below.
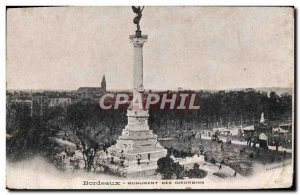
138 143
262 118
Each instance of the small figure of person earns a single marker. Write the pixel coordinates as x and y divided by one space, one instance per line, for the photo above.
201 151
272 159
213 161
122 160
251 155
277 145
254 144
112 158
149 156
229 142
138 158
220 167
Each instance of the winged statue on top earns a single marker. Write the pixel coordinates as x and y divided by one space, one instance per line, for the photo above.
138 11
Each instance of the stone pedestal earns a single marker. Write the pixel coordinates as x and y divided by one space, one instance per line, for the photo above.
137 140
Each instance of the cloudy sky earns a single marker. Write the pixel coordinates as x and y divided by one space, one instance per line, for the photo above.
188 47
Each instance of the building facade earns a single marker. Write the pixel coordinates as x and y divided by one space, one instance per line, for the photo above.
61 101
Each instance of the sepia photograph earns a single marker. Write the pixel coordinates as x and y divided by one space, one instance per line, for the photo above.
150 98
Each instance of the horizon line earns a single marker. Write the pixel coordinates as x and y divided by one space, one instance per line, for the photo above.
156 89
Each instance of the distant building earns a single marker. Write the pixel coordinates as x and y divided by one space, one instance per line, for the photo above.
92 92
22 102
39 104
61 101
40 99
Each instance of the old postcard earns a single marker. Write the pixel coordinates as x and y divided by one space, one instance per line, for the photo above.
142 97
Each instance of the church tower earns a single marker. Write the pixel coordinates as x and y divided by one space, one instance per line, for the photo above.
103 83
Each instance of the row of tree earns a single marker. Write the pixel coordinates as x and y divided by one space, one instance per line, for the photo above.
97 128
225 108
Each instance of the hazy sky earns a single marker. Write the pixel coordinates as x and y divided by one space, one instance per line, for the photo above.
189 47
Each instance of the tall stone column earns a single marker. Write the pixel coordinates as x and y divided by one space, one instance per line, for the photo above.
138 43
137 138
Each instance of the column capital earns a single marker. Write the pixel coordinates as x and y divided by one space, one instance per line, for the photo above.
138 41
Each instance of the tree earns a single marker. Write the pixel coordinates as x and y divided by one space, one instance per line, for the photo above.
31 138
168 168
196 172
